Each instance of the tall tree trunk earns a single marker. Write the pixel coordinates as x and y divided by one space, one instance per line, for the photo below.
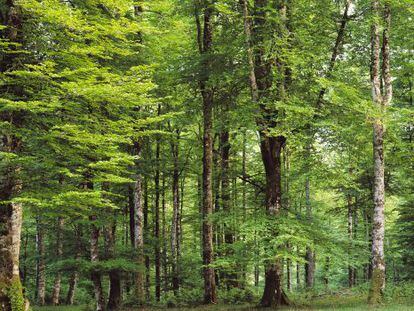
95 273
11 185
298 269
157 254
230 277
287 207
270 146
351 280
131 214
207 94
176 215
114 300
146 232
41 278
137 230
25 255
310 255
164 237
74 277
381 101
59 253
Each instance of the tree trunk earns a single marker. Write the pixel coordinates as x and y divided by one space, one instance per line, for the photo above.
10 231
138 233
230 277
271 148
381 101
298 270
41 278
207 210
146 231
11 291
114 301
157 254
287 207
351 280
95 274
175 217
73 280
59 253
310 255
164 260
131 214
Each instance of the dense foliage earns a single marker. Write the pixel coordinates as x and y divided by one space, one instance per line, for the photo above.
102 127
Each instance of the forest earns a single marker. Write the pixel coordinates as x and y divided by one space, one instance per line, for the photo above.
206 154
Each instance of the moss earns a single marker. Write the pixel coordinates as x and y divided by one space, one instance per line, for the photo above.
376 292
15 295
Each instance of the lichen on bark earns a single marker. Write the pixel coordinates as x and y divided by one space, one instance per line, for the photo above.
376 292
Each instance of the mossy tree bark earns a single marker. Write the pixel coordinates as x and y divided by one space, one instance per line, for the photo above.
382 96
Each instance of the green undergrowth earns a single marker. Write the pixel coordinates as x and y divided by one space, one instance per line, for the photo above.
397 298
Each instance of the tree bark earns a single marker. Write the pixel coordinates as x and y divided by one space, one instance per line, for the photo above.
146 231
176 215
41 278
59 253
310 255
137 229
157 251
95 274
351 274
230 277
381 101
287 208
271 146
73 280
114 300
207 95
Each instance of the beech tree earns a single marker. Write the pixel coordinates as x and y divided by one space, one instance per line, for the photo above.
178 153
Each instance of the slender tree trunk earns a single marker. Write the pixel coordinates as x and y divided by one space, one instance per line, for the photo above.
131 214
310 255
59 253
205 45
298 269
95 274
351 280
381 101
26 242
137 230
147 258
287 207
114 300
157 254
175 218
41 282
73 280
164 237
230 277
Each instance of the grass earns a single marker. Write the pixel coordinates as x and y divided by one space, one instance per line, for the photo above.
333 302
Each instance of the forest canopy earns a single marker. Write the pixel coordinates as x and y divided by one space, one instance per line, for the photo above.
176 153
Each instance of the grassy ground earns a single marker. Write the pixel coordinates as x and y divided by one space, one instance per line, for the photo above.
339 302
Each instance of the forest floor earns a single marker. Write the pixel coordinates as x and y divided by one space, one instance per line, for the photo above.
334 302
